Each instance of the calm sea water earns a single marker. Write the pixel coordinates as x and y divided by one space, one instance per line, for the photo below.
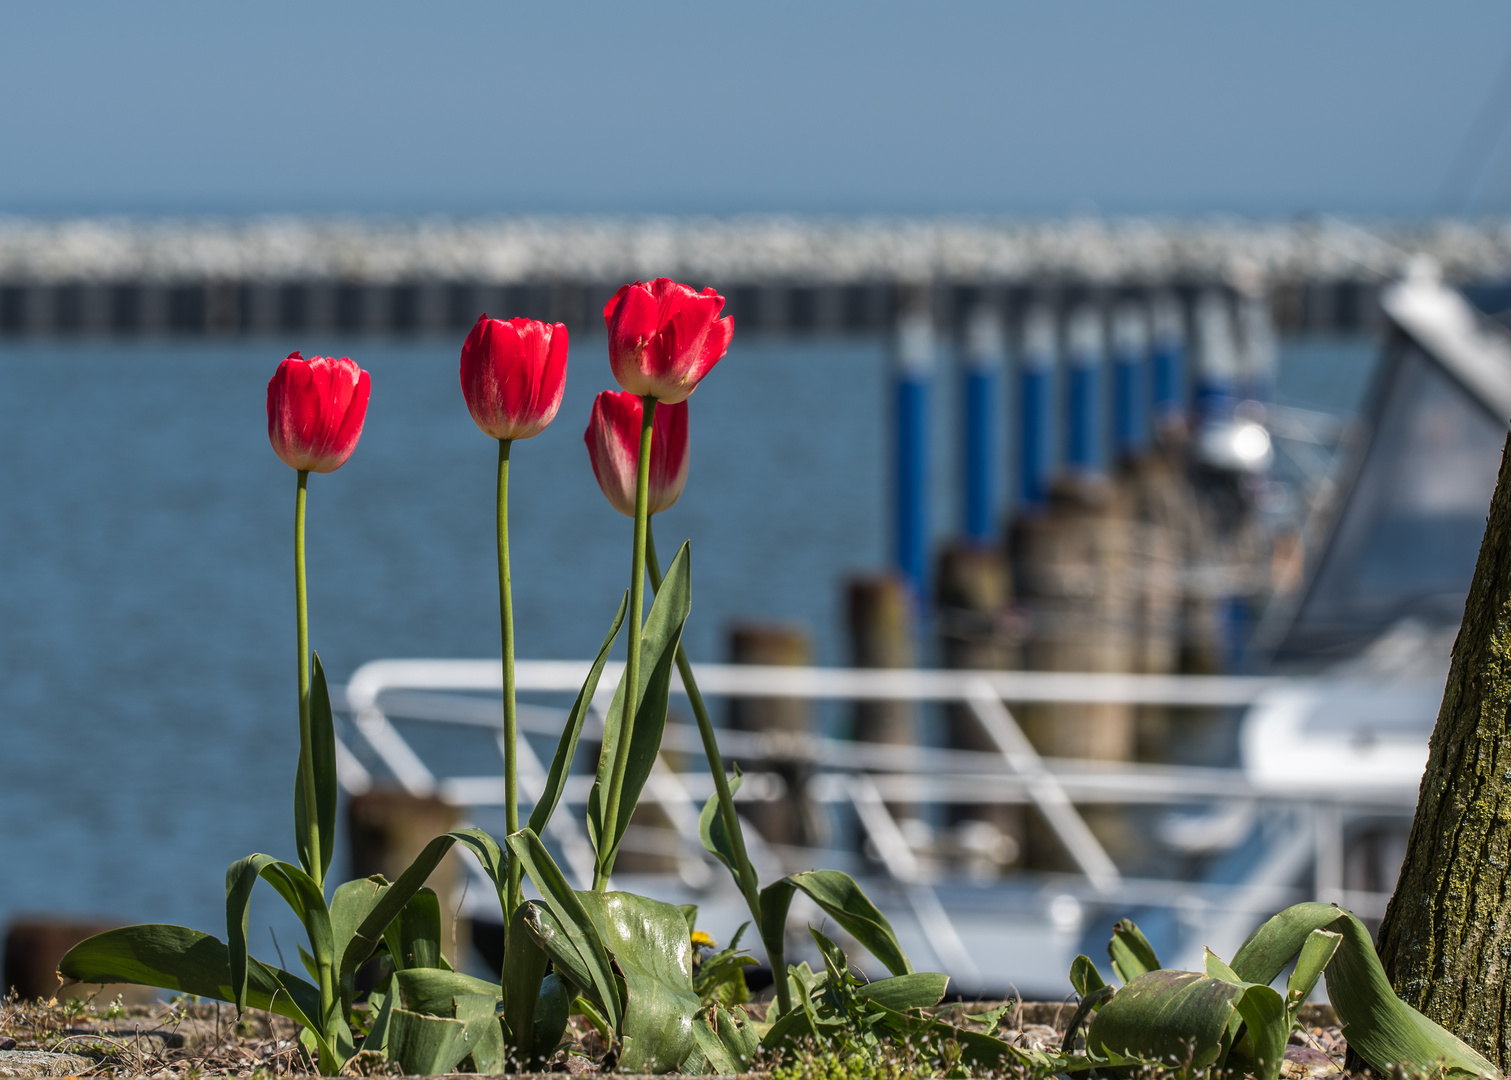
146 602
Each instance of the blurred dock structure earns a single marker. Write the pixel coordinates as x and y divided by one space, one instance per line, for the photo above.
784 275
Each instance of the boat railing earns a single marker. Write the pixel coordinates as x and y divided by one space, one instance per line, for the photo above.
873 778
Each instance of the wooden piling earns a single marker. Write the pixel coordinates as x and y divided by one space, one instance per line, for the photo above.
879 611
1072 565
786 725
978 631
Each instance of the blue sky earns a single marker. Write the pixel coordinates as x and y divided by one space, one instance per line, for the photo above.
1167 107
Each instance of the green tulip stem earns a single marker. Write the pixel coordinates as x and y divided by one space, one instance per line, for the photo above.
632 661
514 894
306 756
750 885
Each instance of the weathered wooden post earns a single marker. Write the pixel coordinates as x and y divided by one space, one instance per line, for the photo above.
33 948
786 725
976 633
1072 564
1446 937
880 615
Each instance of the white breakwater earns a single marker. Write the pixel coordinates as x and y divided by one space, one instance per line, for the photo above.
819 251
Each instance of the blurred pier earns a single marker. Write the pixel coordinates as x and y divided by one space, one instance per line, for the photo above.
781 275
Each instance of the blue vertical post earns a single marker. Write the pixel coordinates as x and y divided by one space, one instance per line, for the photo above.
1130 380
1036 372
1085 360
980 401
912 372
1216 359
1168 360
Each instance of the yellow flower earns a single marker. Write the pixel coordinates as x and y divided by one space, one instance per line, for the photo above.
702 940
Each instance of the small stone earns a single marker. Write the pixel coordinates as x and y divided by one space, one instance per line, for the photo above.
7 1043
23 1063
1040 1037
1305 1063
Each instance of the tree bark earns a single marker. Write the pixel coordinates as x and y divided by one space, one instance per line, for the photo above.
1446 937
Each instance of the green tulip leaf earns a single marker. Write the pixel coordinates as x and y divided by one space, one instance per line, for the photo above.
323 745
663 633
298 890
553 1008
1130 952
588 959
566 746
1383 1029
729 1042
1267 1027
1090 1001
903 992
712 832
649 942
739 1036
1084 976
377 1035
525 966
186 962
417 932
1316 953
394 898
426 1045
430 990
489 855
1177 1018
485 1036
844 902
352 902
716 1058
545 930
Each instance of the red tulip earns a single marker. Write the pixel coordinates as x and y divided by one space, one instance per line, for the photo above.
513 373
613 439
663 337
315 411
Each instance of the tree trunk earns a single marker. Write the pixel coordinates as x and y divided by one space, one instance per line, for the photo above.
1446 937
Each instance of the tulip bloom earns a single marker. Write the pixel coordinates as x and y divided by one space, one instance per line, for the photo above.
613 439
664 337
513 374
316 408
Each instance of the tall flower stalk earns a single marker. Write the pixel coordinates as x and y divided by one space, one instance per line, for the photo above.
506 634
745 873
302 637
637 607
513 373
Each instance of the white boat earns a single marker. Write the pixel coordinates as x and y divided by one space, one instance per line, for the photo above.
1332 734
